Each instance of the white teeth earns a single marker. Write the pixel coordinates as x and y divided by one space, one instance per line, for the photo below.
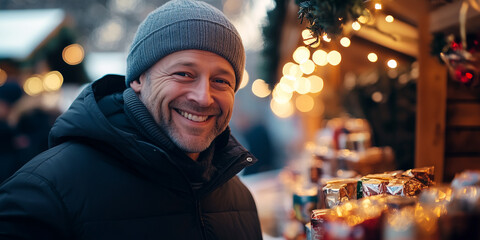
194 118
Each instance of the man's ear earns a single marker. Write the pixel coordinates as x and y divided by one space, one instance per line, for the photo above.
137 84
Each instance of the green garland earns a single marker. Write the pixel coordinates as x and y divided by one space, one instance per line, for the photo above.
271 37
329 16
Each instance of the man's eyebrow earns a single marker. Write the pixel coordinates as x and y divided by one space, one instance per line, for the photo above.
219 70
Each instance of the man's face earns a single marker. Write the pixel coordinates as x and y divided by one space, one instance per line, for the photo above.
190 94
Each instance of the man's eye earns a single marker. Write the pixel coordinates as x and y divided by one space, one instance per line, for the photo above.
183 74
223 82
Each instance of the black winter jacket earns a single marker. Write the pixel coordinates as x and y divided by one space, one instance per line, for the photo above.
107 181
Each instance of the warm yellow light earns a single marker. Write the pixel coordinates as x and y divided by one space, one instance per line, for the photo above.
362 19
389 18
316 83
377 97
292 70
378 6
303 85
392 63
345 42
260 88
301 54
356 26
307 67
282 110
245 80
307 36
287 84
334 58
52 81
3 77
304 103
33 85
281 96
319 57
73 54
326 38
372 57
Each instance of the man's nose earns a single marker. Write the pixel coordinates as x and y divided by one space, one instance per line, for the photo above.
201 92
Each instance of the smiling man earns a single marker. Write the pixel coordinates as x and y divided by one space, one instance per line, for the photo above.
149 155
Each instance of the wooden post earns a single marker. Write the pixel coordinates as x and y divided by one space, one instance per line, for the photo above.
431 101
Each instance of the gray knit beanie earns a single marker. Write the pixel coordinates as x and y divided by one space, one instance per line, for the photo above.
180 25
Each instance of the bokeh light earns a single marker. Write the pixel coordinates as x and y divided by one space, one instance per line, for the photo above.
33 85
345 42
307 67
326 38
281 96
73 54
334 58
292 70
301 54
287 84
372 57
303 85
389 18
377 97
245 79
392 63
260 88
316 83
356 26
281 110
52 81
378 6
3 77
319 57
308 37
304 103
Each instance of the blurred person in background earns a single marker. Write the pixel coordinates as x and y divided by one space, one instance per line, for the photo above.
10 93
149 155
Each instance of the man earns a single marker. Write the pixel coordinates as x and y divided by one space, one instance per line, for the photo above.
154 160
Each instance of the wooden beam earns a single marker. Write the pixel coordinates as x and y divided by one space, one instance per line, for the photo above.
431 100
447 17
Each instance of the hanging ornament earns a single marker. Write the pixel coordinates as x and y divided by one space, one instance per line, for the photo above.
463 63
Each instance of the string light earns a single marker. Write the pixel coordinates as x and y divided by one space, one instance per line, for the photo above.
245 80
356 26
392 63
281 96
345 42
378 6
260 88
307 67
287 84
326 38
52 81
304 103
372 57
307 36
293 70
389 18
303 85
301 54
33 85
316 83
282 110
334 58
319 57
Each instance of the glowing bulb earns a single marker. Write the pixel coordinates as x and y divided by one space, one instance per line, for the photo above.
281 96
389 18
292 70
356 26
33 85
52 81
287 84
316 83
307 67
245 79
303 85
377 97
308 37
372 57
319 57
73 54
362 19
304 103
260 88
392 63
301 54
334 58
378 6
281 110
345 42
326 38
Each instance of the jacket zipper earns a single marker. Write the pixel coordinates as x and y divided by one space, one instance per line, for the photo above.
200 219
